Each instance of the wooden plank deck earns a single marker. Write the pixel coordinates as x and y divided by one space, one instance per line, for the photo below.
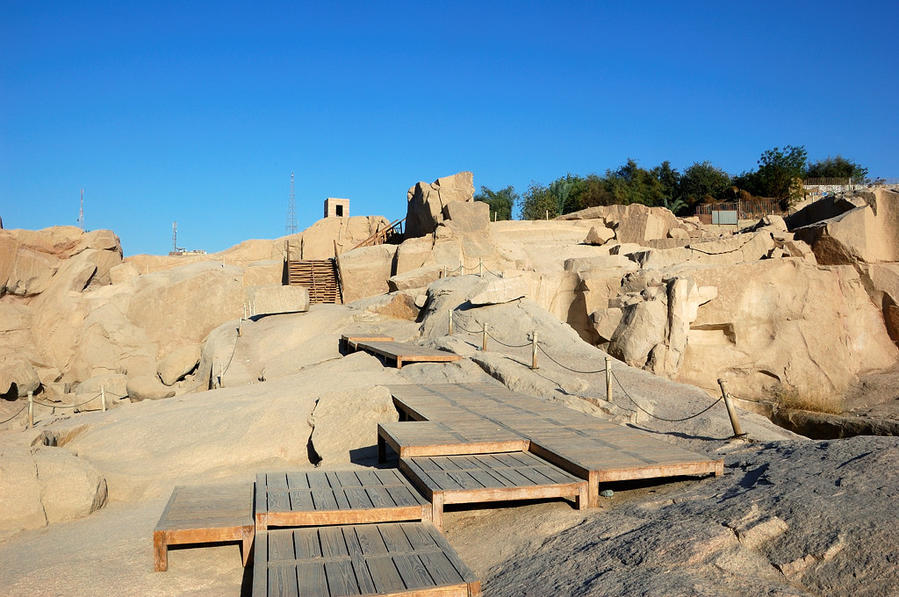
591 448
349 342
488 478
205 514
403 352
435 438
315 498
399 559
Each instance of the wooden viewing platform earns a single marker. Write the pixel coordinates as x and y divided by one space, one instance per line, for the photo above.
583 445
336 497
402 353
349 343
399 559
205 514
435 438
490 478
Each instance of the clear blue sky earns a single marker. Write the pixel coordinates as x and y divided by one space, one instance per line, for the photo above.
199 112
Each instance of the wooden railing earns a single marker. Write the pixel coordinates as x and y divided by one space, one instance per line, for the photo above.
380 237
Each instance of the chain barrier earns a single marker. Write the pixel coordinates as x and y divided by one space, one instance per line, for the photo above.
681 420
21 410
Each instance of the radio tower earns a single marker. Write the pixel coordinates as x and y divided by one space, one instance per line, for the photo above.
174 237
291 210
81 212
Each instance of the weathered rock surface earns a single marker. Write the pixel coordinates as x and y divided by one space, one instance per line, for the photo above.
868 232
342 422
364 272
44 485
147 387
17 377
599 235
267 300
787 518
70 487
178 363
426 202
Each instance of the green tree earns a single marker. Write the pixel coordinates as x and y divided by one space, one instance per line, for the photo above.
702 181
838 167
537 201
500 201
669 178
778 169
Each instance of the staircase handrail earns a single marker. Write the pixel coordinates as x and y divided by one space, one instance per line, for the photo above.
373 239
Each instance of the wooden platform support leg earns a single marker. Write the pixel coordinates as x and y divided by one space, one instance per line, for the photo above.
382 450
160 551
437 510
249 534
593 490
583 497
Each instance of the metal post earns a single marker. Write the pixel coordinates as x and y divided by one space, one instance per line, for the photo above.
484 337
608 379
103 397
30 410
738 431
480 268
534 350
450 322
547 214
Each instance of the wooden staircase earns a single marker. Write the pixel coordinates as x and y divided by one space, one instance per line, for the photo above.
319 276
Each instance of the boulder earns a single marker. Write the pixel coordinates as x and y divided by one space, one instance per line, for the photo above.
364 272
606 322
412 254
500 290
342 421
467 217
868 232
178 363
71 488
17 377
417 278
599 263
275 298
167 305
122 272
320 240
20 491
426 202
634 223
114 384
147 387
645 326
264 273
599 235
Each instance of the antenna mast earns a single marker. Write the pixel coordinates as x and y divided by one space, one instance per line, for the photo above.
81 212
174 237
291 210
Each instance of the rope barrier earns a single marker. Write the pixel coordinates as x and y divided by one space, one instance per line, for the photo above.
507 345
67 405
543 350
21 410
681 420
581 372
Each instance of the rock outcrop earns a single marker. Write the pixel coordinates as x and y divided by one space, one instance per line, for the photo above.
427 203
868 232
